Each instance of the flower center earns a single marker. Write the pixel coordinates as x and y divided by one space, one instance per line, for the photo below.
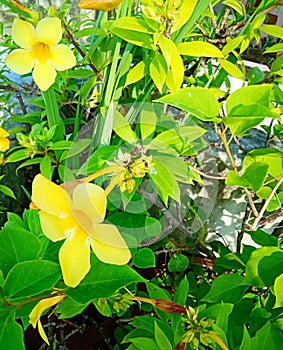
41 52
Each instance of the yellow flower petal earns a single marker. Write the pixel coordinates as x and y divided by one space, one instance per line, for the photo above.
3 133
91 200
63 58
49 31
44 75
109 246
56 228
20 61
39 308
74 258
4 144
23 33
50 197
103 5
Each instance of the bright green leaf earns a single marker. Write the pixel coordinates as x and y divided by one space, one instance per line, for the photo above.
237 5
199 49
231 69
123 128
158 71
144 258
136 73
161 339
278 288
11 333
273 30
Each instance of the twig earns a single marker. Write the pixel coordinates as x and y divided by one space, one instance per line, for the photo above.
263 209
73 41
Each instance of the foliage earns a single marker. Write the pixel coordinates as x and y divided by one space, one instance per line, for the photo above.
129 125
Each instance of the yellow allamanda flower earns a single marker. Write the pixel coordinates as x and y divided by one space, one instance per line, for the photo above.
102 5
40 51
75 213
4 141
40 307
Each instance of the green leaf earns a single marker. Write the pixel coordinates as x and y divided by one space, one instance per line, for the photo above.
80 73
69 308
236 5
227 289
11 333
144 258
273 30
133 30
30 278
220 313
28 162
175 74
177 138
278 288
102 281
167 185
263 266
274 48
161 339
76 148
60 145
158 71
270 156
46 168
17 155
17 245
136 73
185 11
147 121
199 49
268 337
232 45
246 342
248 179
178 262
264 239
231 69
123 128
248 96
244 118
256 76
200 102
7 191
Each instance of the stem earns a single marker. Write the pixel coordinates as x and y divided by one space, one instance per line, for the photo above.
107 170
73 41
229 154
263 209
53 116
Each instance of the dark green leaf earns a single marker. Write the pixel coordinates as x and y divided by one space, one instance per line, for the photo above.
11 333
30 278
144 258
227 289
178 262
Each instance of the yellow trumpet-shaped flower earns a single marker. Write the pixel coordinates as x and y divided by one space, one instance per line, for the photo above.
76 215
102 5
44 304
40 51
4 141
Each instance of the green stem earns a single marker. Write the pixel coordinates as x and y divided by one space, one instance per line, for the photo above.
263 209
53 116
222 136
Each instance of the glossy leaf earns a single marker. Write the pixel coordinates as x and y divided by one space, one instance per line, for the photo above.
185 11
136 73
237 5
200 102
123 128
11 333
264 265
273 30
278 288
199 49
246 341
144 258
231 69
158 71
178 262
232 45
227 289
161 339
147 121
17 245
30 278
102 281
268 337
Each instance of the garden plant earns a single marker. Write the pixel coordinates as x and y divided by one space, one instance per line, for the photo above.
141 174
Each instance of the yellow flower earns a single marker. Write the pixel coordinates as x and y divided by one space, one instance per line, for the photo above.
4 141
39 51
75 215
44 304
102 5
